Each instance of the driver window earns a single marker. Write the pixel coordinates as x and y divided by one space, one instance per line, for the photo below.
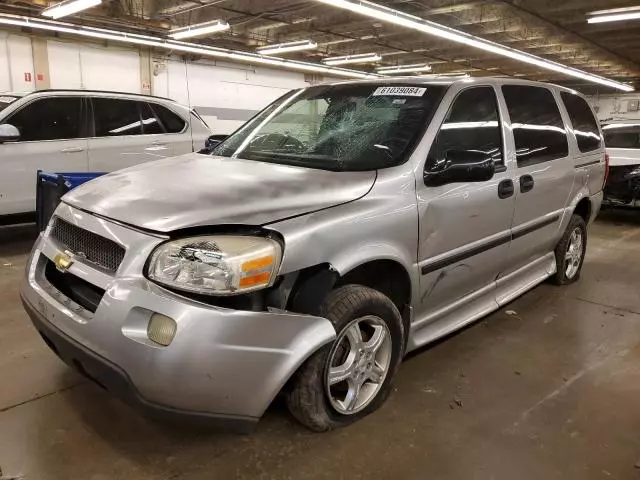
471 124
56 118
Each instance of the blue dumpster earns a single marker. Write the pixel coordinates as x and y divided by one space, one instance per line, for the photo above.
50 189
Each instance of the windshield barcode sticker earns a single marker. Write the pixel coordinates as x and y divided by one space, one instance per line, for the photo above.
400 91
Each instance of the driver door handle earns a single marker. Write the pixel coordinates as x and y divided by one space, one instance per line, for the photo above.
526 183
505 189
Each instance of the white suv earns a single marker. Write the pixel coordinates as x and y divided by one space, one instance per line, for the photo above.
623 146
86 131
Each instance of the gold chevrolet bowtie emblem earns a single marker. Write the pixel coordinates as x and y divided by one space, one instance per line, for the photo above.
63 261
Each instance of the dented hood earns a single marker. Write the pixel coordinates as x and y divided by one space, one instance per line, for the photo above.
198 190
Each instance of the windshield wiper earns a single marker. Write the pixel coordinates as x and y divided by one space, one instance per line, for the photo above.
311 160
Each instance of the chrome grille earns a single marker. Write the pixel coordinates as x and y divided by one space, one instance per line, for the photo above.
87 245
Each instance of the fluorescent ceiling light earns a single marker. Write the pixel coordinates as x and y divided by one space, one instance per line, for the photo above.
446 76
454 74
171 45
396 17
616 17
414 68
620 125
199 30
69 7
287 47
615 10
360 58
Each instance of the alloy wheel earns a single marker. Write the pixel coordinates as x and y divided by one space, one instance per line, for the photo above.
358 364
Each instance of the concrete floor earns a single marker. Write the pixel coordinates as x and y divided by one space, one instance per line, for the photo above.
547 388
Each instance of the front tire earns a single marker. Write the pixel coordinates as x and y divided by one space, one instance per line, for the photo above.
570 252
352 377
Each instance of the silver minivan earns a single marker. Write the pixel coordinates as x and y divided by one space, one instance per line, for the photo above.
342 227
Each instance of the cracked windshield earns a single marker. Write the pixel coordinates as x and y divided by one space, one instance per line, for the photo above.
343 127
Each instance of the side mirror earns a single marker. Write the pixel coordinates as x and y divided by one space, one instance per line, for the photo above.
460 166
212 142
9 133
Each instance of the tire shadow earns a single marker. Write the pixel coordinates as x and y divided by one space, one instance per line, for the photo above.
619 216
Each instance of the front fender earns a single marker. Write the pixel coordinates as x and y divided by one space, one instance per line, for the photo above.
383 225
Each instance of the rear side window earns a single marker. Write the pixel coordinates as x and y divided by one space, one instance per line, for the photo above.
115 117
584 124
622 135
49 119
471 124
537 125
172 122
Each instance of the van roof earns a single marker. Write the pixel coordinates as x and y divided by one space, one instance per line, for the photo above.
446 81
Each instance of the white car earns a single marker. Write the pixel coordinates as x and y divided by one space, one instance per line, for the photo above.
86 131
622 140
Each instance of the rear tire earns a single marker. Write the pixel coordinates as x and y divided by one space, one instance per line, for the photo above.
318 396
570 252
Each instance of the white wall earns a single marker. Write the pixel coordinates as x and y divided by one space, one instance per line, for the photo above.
78 66
16 60
225 94
617 107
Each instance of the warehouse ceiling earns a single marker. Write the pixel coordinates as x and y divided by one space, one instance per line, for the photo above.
551 29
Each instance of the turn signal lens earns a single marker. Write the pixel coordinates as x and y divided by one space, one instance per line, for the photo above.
256 272
255 280
258 264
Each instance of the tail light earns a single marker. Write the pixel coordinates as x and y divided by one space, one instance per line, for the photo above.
606 169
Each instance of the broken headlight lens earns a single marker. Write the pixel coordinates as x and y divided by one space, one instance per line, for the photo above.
216 265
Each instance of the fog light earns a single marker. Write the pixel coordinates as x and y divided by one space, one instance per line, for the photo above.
161 329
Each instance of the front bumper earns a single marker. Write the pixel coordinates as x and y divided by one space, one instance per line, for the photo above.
116 381
222 364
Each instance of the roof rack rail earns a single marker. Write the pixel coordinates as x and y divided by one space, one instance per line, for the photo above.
54 90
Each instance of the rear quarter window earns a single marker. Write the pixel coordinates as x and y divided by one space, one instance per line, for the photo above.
585 126
171 121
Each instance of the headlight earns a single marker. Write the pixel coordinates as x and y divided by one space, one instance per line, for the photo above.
216 265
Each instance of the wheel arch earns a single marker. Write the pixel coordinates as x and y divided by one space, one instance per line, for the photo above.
387 275
584 209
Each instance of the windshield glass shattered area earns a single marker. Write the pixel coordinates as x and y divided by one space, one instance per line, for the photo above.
339 127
